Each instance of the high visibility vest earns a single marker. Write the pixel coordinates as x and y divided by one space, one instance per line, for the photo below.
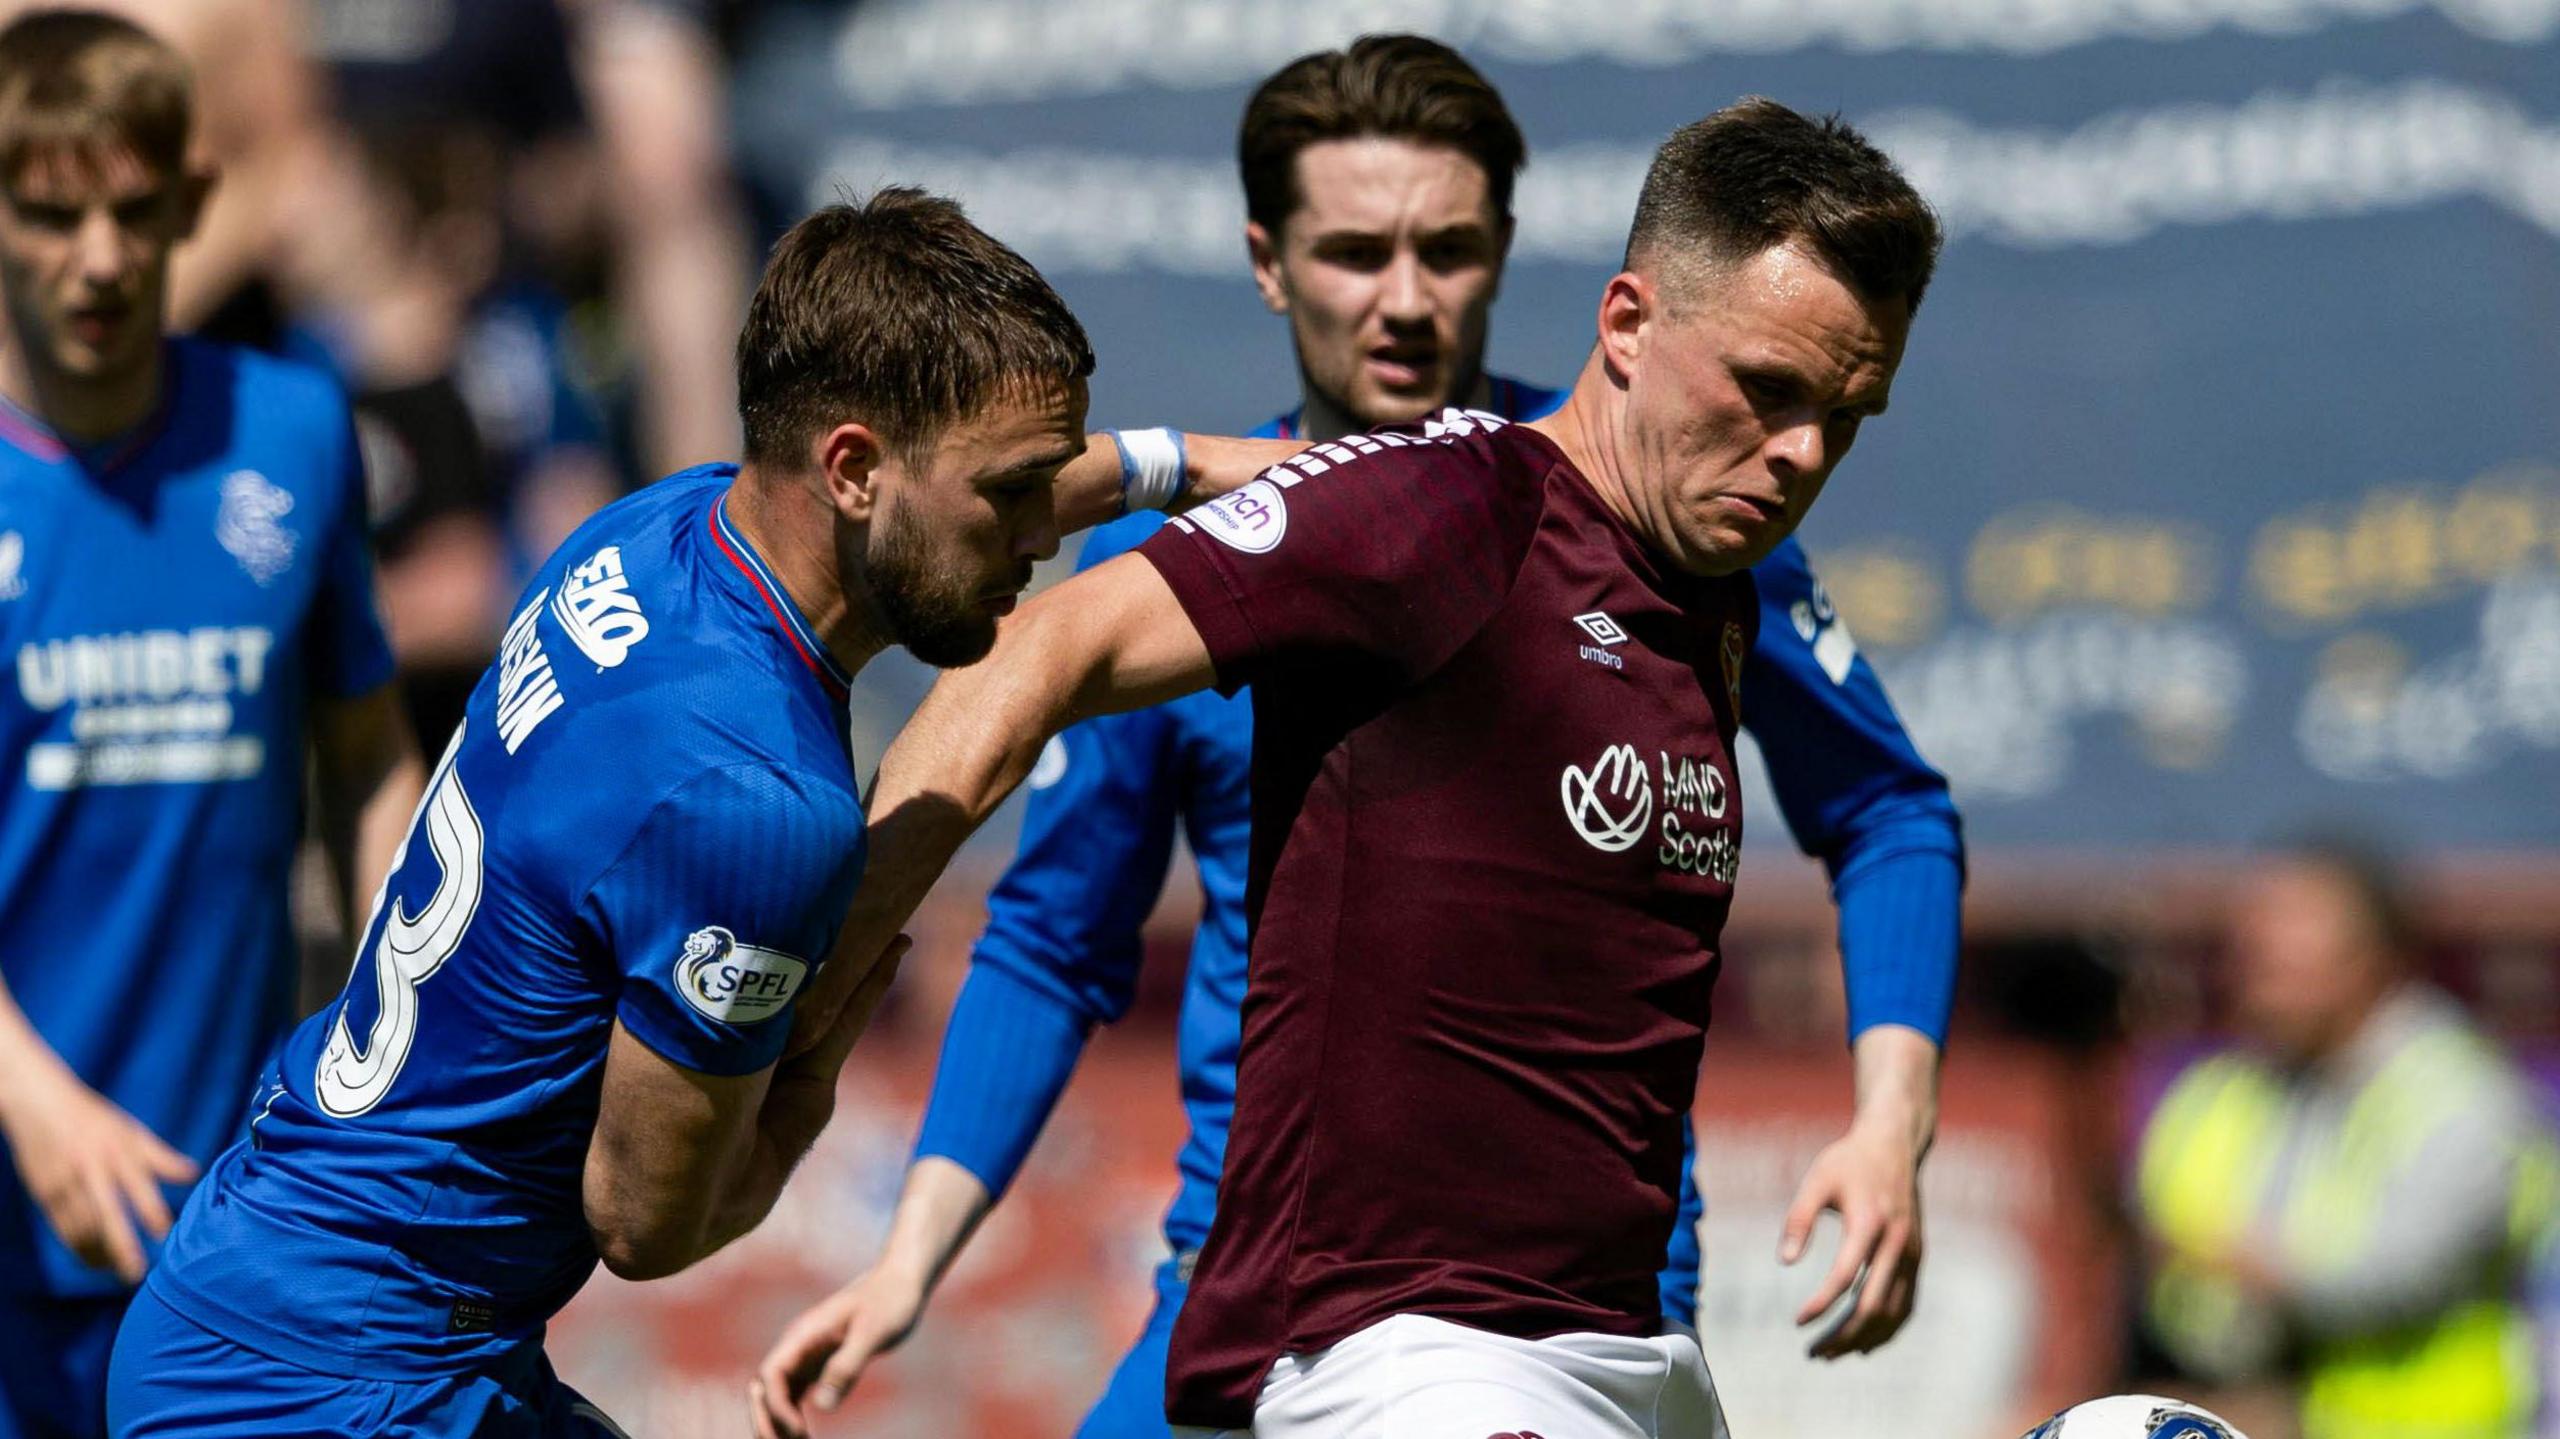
2466 1372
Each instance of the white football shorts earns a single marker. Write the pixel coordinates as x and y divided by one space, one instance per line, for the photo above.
1411 1377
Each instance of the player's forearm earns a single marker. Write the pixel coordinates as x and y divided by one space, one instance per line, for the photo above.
24 1056
1897 1079
937 1212
1090 490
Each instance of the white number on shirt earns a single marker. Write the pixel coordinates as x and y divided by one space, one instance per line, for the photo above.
351 1080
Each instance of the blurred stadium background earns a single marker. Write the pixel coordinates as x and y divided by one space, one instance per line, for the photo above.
2221 497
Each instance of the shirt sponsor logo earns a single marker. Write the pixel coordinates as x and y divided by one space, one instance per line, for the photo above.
147 706
1605 633
1251 519
13 556
1613 804
1051 767
248 524
527 693
1819 625
1610 802
596 609
735 983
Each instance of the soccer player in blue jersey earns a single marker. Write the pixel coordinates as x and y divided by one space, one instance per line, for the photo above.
1378 186
570 1032
186 604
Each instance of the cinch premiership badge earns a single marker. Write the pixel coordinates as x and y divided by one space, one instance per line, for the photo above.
735 983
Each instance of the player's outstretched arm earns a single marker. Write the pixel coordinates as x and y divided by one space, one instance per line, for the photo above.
1870 1177
824 1352
1108 479
1109 640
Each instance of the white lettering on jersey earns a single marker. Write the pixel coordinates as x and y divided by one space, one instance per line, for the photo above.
595 607
247 524
148 706
351 1081
735 983
13 558
1051 767
1612 803
1819 625
526 692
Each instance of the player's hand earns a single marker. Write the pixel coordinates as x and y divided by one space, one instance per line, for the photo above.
1870 1178
818 1359
94 1169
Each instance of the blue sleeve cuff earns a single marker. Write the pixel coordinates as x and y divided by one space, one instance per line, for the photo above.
1006 1058
1899 928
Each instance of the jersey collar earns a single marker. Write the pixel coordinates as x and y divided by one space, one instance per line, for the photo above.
794 625
22 430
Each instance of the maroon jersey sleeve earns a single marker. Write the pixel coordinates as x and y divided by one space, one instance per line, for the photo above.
1377 556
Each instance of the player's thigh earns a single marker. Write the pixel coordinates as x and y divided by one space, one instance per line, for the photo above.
1133 1406
53 1364
171 1376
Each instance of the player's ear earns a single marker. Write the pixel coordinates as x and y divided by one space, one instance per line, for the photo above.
1264 248
1627 303
848 463
195 191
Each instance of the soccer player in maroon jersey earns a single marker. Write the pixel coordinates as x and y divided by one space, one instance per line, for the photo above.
1490 866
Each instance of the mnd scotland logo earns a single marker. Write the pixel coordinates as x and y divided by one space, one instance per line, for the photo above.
1610 803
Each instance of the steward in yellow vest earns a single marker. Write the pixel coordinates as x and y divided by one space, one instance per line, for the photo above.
2357 1197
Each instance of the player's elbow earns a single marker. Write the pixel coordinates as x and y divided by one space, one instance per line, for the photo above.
641 1251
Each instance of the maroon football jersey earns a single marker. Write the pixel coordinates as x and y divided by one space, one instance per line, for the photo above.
1495 835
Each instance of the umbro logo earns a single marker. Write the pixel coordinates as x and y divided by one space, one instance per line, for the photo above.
1605 633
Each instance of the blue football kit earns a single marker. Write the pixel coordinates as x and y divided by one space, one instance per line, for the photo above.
172 604
1062 949
647 818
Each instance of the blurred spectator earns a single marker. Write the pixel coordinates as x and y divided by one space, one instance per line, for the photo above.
257 101
2353 1201
612 115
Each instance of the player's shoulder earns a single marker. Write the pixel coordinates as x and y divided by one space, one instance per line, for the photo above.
264 387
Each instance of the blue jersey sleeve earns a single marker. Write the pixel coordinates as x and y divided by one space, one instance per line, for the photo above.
1857 796
1679 1277
719 907
349 655
1062 946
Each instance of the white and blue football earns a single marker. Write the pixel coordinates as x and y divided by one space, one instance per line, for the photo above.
2134 1416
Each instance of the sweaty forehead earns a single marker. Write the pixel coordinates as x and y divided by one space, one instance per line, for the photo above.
1024 426
1784 305
1376 184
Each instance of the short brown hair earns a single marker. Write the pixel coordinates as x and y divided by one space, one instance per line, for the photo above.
1401 86
899 313
1757 174
82 81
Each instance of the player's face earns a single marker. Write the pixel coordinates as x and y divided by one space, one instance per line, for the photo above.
85 237
960 526
1386 271
1742 399
2305 962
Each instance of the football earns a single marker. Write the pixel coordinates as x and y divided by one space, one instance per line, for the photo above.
2134 1416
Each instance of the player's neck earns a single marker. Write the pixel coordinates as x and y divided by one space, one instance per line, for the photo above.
81 411
1586 428
1321 417
794 531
